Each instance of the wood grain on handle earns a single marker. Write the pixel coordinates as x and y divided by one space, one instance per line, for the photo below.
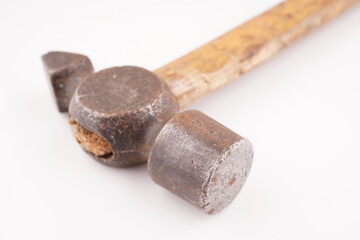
240 50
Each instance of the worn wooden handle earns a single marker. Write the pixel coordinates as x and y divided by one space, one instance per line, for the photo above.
240 50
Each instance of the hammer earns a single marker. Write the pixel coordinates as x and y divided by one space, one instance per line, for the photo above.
117 114
188 78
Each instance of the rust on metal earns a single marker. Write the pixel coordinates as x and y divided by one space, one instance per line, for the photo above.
200 160
125 106
65 71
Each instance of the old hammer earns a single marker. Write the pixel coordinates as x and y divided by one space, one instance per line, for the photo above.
117 114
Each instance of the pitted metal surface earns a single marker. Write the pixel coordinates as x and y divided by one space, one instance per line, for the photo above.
65 71
201 161
127 106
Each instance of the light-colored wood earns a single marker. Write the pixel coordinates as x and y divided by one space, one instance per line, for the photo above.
240 50
90 141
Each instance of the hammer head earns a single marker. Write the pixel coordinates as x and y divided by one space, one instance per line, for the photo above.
127 107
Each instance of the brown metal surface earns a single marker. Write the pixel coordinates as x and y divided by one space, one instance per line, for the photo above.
127 106
200 160
65 71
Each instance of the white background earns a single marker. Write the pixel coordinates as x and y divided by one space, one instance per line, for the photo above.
300 110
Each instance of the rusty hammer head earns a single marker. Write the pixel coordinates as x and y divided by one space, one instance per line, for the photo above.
124 116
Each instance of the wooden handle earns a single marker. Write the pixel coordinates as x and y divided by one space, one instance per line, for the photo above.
240 50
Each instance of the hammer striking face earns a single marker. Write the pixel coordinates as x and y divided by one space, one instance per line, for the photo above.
200 160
